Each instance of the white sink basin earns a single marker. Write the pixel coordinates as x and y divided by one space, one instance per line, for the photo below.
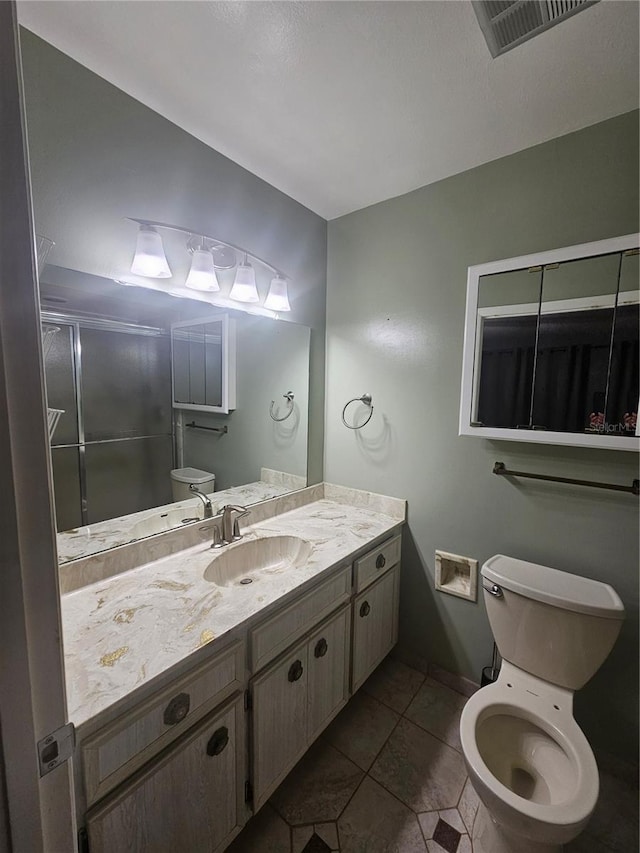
254 559
162 521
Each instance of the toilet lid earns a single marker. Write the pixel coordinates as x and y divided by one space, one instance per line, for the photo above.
191 475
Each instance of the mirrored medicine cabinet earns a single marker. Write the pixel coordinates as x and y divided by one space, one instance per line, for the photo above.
203 364
551 350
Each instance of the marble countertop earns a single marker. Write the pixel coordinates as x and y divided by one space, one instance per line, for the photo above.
123 631
95 538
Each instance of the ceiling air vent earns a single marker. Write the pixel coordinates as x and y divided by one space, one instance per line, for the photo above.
507 23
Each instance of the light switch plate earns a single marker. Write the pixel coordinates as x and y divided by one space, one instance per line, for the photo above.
457 575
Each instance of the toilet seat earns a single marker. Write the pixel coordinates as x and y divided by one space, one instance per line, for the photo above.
512 697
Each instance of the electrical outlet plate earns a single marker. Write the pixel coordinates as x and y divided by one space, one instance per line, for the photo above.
457 575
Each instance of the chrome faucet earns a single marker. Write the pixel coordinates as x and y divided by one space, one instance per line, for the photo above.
230 526
208 509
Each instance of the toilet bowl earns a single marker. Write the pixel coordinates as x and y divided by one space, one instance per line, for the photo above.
528 760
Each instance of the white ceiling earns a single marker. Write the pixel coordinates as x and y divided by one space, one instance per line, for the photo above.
343 104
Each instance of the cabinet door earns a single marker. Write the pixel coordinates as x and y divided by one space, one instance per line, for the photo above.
328 687
204 364
279 721
187 800
375 625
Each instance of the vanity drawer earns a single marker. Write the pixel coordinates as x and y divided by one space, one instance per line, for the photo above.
376 562
276 634
121 747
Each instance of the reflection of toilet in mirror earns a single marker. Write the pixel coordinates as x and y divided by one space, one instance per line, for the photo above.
528 760
182 478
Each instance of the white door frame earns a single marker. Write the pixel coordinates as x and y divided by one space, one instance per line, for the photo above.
32 691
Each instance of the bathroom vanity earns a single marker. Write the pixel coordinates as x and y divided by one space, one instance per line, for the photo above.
197 681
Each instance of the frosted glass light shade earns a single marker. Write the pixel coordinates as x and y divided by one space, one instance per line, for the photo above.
202 275
278 297
150 260
244 287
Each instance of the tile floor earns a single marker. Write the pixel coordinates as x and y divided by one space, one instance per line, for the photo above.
387 776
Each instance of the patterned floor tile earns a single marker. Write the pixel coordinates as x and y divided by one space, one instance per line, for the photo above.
266 832
428 822
464 846
437 709
444 831
420 770
394 683
316 845
329 833
376 822
300 837
361 729
468 806
452 817
318 788
447 836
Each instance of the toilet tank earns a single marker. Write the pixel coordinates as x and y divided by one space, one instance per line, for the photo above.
555 625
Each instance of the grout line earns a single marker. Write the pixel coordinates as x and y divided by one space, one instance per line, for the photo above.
376 756
437 737
413 695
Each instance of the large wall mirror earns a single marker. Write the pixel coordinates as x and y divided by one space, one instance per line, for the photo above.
237 428
551 347
120 432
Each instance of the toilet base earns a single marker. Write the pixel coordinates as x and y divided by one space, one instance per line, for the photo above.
489 837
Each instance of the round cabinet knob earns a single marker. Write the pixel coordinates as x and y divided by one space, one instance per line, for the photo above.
380 561
365 608
176 710
218 741
295 671
321 648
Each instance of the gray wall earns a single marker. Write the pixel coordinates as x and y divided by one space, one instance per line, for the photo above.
97 156
272 358
395 315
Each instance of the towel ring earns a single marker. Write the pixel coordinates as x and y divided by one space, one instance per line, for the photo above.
366 399
289 396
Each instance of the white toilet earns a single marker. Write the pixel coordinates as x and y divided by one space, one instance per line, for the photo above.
182 478
527 758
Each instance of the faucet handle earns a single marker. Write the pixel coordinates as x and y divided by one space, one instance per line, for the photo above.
239 511
242 510
218 541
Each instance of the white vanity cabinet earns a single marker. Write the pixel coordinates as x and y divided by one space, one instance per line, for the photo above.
182 769
118 749
295 698
375 623
189 798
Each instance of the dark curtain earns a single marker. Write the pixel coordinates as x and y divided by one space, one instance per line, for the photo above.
569 383
505 387
571 371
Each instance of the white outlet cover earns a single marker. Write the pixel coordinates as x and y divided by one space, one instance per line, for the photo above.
457 575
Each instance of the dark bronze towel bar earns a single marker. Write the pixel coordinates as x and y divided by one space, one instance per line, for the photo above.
224 430
634 489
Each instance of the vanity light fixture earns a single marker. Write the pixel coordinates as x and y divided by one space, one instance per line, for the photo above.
209 257
244 287
150 260
202 275
278 297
